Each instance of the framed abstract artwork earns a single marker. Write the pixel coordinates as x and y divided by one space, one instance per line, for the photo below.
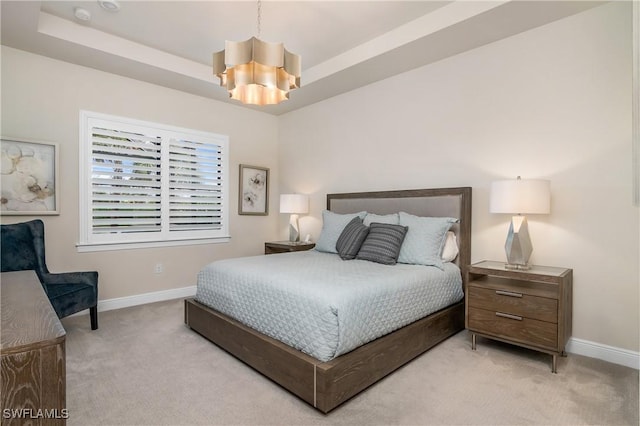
253 198
29 181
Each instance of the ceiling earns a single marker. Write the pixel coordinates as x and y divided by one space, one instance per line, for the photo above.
344 44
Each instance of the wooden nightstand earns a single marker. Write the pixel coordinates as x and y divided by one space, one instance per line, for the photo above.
531 308
272 247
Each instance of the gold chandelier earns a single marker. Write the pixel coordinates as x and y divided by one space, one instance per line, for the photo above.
257 72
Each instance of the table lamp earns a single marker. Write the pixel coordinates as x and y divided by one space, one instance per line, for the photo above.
520 197
294 204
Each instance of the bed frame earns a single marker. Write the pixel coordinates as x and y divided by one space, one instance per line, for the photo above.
325 385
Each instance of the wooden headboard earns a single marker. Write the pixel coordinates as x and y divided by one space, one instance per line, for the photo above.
437 202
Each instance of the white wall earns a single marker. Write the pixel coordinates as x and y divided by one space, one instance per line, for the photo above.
553 102
41 100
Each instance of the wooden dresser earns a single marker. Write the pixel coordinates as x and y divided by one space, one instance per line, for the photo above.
32 354
530 308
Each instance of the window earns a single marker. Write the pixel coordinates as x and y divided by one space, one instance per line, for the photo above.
145 184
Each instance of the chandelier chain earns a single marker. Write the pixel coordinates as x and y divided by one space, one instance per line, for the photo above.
259 16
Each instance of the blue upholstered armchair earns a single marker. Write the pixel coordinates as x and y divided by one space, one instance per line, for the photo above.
23 249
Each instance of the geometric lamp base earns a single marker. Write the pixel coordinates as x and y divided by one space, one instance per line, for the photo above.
518 245
294 229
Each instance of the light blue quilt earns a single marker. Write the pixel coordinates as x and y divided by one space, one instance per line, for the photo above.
322 305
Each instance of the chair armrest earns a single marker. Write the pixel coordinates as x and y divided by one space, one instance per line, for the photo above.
88 278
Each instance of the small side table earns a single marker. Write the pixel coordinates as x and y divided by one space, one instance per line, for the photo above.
272 247
530 308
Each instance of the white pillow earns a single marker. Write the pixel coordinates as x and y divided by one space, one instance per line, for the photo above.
332 226
450 249
392 219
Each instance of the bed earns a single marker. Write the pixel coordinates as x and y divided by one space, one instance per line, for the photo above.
329 378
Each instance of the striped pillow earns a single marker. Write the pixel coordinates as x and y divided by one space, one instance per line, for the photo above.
351 239
383 243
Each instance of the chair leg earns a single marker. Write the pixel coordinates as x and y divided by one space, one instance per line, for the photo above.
93 313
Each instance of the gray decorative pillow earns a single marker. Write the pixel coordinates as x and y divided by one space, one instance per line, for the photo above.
332 226
383 243
425 239
351 239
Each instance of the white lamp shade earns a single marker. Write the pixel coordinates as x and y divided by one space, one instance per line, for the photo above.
521 196
294 203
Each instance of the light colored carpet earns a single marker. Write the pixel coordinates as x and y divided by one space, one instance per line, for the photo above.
144 366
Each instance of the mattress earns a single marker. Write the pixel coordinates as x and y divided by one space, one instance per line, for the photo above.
322 305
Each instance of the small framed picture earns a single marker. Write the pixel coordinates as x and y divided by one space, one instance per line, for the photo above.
29 181
254 191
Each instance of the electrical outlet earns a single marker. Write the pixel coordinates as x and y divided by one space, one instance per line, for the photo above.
159 268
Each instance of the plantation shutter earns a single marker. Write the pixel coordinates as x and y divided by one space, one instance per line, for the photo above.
144 183
195 185
125 182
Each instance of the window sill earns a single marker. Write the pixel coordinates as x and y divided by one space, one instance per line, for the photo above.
88 247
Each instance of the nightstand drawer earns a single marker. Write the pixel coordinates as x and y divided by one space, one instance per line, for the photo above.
513 327
524 305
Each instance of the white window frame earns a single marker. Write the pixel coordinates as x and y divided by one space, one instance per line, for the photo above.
92 241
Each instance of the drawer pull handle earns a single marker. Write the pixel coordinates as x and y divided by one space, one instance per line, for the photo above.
509 316
508 293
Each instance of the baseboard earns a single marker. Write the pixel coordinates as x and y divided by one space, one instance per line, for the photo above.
141 299
575 346
604 352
